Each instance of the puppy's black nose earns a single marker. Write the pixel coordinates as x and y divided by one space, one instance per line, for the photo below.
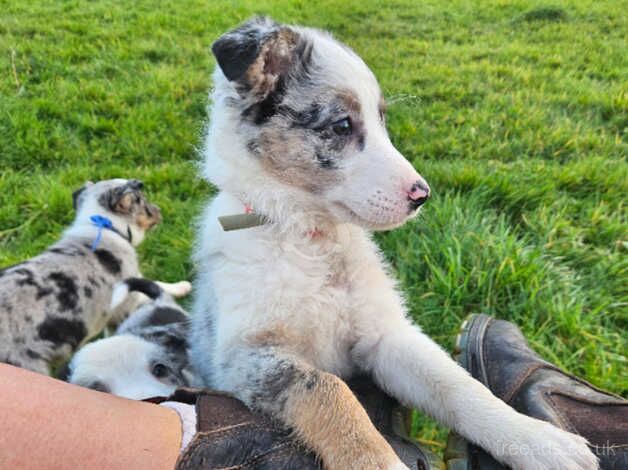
418 194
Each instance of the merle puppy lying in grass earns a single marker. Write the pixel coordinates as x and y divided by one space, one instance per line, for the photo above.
53 302
148 355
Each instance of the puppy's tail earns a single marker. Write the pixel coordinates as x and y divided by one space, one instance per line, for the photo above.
175 289
153 289
134 284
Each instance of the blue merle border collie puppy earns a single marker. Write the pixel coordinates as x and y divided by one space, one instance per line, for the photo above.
148 355
289 308
52 303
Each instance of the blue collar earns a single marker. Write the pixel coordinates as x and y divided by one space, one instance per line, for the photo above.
104 223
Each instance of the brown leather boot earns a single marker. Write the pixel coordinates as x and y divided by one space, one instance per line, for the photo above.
496 353
231 436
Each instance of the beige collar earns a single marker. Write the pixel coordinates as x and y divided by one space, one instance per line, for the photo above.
250 219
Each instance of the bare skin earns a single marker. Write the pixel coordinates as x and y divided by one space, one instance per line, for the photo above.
46 423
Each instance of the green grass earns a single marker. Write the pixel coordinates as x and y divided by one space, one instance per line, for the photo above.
516 113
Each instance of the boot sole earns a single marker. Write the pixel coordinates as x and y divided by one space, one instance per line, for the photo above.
468 343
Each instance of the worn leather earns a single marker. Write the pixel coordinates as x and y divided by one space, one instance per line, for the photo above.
499 356
230 436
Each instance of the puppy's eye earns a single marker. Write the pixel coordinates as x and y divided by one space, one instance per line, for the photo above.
342 127
160 371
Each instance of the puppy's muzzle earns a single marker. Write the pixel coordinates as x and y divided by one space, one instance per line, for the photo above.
418 194
154 214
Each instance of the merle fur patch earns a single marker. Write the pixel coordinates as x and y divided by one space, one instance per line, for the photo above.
145 286
67 292
114 198
33 354
262 57
108 261
170 338
270 388
236 51
165 316
62 331
28 279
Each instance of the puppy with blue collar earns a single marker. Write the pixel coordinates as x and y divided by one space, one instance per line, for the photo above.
54 302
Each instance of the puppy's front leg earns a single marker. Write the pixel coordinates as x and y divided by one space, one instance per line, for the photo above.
414 369
318 406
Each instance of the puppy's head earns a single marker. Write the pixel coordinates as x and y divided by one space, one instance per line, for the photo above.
296 112
128 366
120 200
164 312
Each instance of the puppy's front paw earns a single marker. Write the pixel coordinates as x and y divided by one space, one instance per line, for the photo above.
549 448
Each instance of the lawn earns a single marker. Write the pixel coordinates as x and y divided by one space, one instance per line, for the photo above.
515 112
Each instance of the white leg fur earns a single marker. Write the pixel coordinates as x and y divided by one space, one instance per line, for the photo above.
418 372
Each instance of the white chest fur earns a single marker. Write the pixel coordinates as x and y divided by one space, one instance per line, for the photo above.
302 291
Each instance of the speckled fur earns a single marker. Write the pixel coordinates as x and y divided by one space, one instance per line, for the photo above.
285 311
52 303
124 364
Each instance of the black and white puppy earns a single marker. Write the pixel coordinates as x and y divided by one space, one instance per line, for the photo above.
148 355
53 302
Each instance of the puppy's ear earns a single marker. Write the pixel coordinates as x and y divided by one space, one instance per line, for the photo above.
258 54
120 199
122 203
236 50
76 195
